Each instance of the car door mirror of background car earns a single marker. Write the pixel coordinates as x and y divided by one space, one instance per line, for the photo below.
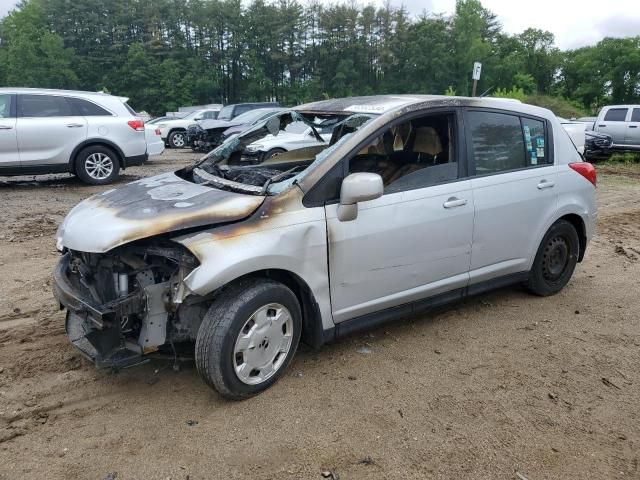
358 187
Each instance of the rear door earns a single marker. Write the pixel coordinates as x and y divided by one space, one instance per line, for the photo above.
47 129
513 181
9 156
633 128
614 123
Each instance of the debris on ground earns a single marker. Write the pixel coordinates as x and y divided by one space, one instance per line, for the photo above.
521 476
609 383
191 423
364 350
331 475
111 476
367 460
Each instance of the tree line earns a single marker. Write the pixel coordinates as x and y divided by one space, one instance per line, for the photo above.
167 53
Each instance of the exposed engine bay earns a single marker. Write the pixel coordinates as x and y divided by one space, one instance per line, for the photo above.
128 302
233 166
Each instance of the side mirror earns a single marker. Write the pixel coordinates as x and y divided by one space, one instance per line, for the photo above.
358 187
197 119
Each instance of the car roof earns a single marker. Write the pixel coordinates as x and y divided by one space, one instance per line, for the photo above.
79 93
378 104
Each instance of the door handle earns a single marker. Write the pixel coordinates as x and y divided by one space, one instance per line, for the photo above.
602 125
545 184
454 202
633 126
74 125
5 127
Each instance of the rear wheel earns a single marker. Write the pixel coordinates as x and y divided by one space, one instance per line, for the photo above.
97 165
248 337
177 139
555 260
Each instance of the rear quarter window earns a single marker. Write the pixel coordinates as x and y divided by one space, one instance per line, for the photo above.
87 108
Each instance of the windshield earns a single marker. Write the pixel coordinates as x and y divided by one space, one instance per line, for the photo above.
191 115
253 115
226 113
273 154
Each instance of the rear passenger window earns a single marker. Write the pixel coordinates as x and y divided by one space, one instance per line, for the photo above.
86 108
43 106
616 115
635 116
497 142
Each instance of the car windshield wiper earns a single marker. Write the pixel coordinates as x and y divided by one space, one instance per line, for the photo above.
275 178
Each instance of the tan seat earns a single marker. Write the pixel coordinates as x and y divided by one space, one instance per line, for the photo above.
427 141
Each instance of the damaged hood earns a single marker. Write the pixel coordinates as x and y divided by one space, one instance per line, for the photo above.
148 207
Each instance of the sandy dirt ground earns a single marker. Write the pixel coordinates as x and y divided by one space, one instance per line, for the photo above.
502 385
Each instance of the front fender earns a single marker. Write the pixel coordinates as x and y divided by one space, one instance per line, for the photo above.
294 241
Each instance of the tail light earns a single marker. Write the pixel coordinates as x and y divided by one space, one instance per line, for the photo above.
158 132
137 125
585 169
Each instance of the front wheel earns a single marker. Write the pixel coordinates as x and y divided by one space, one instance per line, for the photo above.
248 337
177 139
555 260
272 153
97 165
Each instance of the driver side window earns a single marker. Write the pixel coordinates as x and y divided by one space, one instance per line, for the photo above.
415 154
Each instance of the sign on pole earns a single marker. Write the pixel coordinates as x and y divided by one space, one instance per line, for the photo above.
477 69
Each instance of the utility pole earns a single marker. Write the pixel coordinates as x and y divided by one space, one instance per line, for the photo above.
477 69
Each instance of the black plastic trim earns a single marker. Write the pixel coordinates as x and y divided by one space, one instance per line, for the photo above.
371 320
16 170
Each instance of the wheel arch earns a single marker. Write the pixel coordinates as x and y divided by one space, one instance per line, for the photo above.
312 330
96 141
578 223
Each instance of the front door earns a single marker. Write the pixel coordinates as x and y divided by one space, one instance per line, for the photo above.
8 140
614 124
48 130
415 240
514 190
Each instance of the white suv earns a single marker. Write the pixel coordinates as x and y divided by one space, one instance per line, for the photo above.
91 135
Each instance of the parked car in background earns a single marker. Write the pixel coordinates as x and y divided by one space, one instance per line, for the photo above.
598 146
173 130
296 135
229 112
153 137
576 131
414 202
588 121
92 135
622 124
208 134
157 120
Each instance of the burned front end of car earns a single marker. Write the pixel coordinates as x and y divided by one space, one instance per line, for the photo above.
203 140
127 302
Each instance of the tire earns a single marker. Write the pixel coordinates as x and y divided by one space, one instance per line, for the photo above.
555 260
97 165
177 139
272 153
231 346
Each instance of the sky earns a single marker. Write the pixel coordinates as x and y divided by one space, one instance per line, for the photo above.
575 23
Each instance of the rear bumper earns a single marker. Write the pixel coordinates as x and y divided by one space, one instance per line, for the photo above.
135 160
94 329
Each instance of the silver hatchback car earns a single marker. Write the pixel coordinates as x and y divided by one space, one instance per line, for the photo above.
414 202
92 135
